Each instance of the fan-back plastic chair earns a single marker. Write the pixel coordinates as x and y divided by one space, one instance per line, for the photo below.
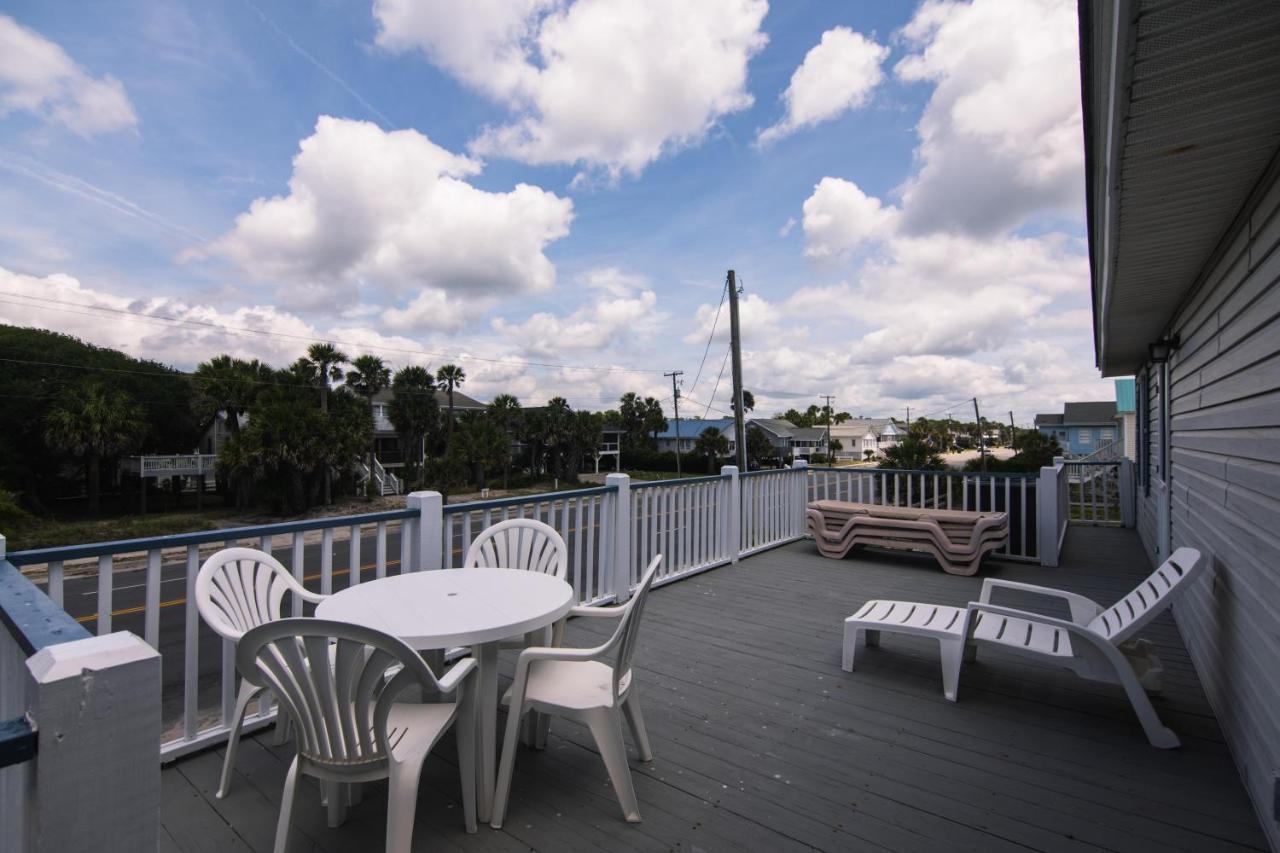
238 589
525 544
593 686
335 682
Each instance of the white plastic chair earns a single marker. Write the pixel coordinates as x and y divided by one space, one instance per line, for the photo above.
520 543
593 686
335 682
1089 643
238 589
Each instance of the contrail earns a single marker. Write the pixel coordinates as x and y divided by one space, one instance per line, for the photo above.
22 165
301 51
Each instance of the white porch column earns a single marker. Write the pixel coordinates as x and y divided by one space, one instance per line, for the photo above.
731 513
429 550
621 521
799 496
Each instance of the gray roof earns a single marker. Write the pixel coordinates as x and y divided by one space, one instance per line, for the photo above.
1101 412
809 433
460 400
776 426
1048 420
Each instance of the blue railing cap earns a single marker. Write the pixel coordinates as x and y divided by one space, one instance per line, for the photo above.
30 616
542 497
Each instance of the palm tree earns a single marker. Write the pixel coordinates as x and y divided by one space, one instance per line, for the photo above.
505 410
450 376
748 402
913 453
94 423
413 410
482 444
324 363
226 384
712 444
368 376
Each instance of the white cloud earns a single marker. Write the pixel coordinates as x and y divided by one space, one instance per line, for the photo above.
393 211
37 76
608 84
433 309
837 75
1000 136
839 218
757 318
625 312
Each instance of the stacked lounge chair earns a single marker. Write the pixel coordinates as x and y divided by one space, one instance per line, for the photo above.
957 539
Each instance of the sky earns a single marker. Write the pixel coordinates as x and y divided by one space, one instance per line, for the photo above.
550 192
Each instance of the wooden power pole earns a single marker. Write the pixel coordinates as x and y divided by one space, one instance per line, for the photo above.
830 411
982 440
735 347
675 399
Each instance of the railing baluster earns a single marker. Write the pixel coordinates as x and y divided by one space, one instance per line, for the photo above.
326 561
105 566
299 569
354 567
466 535
1022 498
910 501
591 553
407 527
55 582
380 550
151 611
191 650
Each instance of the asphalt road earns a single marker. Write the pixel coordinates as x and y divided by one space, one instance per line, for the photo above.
128 599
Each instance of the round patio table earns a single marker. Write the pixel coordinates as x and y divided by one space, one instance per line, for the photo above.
459 607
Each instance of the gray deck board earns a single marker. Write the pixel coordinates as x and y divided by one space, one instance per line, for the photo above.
763 743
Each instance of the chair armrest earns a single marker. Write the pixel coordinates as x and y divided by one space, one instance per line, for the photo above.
456 675
536 653
309 596
1082 609
606 612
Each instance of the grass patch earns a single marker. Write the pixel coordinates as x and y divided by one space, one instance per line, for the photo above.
31 533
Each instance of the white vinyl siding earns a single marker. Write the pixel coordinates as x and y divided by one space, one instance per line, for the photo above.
1223 467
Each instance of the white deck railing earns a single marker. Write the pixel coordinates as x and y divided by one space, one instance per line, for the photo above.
172 465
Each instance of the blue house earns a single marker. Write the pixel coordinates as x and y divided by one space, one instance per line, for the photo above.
690 429
1082 428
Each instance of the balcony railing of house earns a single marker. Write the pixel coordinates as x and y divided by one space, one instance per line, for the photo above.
172 465
612 531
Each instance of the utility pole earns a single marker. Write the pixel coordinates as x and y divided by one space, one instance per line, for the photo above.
1013 434
830 412
982 441
908 419
735 346
675 398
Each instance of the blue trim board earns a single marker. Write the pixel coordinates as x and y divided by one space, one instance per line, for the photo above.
17 742
30 616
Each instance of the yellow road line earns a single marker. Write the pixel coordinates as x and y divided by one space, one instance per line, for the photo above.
128 611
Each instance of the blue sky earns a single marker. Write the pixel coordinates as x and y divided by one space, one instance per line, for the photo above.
561 182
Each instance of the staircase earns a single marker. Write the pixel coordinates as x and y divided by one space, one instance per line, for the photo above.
384 481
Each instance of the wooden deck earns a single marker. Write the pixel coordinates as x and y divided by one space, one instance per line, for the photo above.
763 743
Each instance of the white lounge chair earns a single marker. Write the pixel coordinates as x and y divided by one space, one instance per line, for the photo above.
332 680
238 589
1092 643
593 686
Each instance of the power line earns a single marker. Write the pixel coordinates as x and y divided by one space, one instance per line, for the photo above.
68 307
723 364
723 292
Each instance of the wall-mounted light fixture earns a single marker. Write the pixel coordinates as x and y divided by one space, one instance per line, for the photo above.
1162 349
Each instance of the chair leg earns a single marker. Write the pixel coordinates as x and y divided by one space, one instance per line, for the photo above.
852 639
606 728
503 788
336 800
402 805
465 729
1157 733
631 709
247 693
287 801
952 653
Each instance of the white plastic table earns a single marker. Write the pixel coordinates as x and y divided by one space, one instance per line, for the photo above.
459 607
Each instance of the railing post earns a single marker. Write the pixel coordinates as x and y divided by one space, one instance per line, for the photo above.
429 552
731 521
96 785
799 495
621 522
1128 502
1048 512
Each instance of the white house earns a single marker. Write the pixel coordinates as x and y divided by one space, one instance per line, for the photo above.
1182 165
860 435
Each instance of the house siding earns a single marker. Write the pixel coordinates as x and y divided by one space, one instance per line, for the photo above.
1225 490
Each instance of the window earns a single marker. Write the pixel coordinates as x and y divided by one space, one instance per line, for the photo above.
1107 434
1085 436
